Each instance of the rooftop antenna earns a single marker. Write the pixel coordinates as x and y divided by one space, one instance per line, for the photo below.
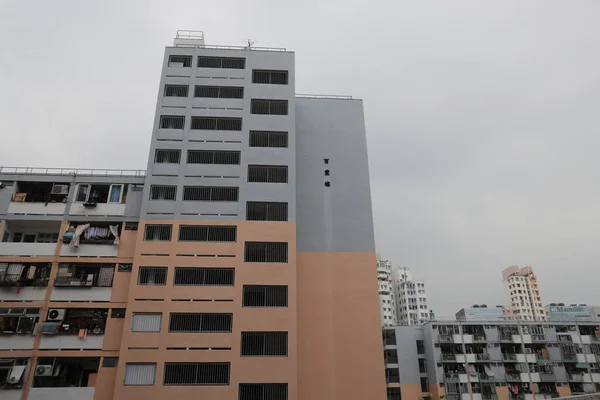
250 43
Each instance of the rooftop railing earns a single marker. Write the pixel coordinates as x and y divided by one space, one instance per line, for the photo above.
72 171
323 96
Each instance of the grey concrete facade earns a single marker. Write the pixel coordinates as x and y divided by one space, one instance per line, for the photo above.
184 174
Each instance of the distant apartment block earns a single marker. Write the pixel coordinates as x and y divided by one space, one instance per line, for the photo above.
238 265
387 299
412 307
492 360
522 294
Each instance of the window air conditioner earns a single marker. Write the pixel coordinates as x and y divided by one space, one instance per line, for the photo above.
56 314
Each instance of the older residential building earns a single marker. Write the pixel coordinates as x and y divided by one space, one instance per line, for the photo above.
387 299
522 294
239 265
412 307
493 360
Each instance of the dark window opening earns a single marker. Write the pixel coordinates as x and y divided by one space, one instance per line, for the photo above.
216 123
20 275
222 62
176 90
152 276
75 321
110 362
172 122
158 232
268 173
204 276
273 77
167 156
210 193
18 320
264 344
268 139
269 107
180 61
118 312
184 374
219 92
266 211
158 192
203 233
84 275
200 322
264 296
263 391
41 192
213 157
263 252
65 372
420 347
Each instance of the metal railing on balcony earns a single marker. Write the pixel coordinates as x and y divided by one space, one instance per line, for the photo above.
506 337
450 377
448 357
446 339
513 377
483 357
509 356
575 377
538 338
591 396
18 280
72 171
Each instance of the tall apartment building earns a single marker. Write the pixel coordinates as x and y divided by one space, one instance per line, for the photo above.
238 266
492 360
387 300
411 298
522 294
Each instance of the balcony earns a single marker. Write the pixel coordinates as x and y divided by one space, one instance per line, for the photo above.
66 378
39 198
575 377
75 328
547 377
509 356
29 238
446 339
91 240
448 357
483 357
513 377
83 282
12 373
99 199
538 338
451 378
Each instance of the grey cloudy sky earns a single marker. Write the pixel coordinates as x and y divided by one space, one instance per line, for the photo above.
482 117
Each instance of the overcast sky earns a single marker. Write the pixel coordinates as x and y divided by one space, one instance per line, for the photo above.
482 117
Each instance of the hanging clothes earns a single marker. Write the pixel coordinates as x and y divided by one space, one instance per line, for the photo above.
78 231
114 229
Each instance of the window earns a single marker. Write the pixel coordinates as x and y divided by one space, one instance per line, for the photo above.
158 232
180 374
269 107
19 275
263 391
222 62
172 122
158 192
276 252
88 193
266 211
424 385
393 394
216 124
204 276
167 156
264 344
268 173
219 92
176 90
264 296
210 193
152 276
420 347
18 320
146 322
273 77
73 320
268 139
200 322
213 157
139 374
392 375
204 233
110 362
422 366
118 312
180 61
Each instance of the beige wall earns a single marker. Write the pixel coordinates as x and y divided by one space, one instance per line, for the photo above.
563 391
152 347
410 391
340 352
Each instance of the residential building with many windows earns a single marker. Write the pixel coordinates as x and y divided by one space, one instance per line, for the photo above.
492 360
387 298
412 307
238 265
522 294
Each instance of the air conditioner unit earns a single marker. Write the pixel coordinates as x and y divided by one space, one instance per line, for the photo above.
56 314
43 370
60 189
528 351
